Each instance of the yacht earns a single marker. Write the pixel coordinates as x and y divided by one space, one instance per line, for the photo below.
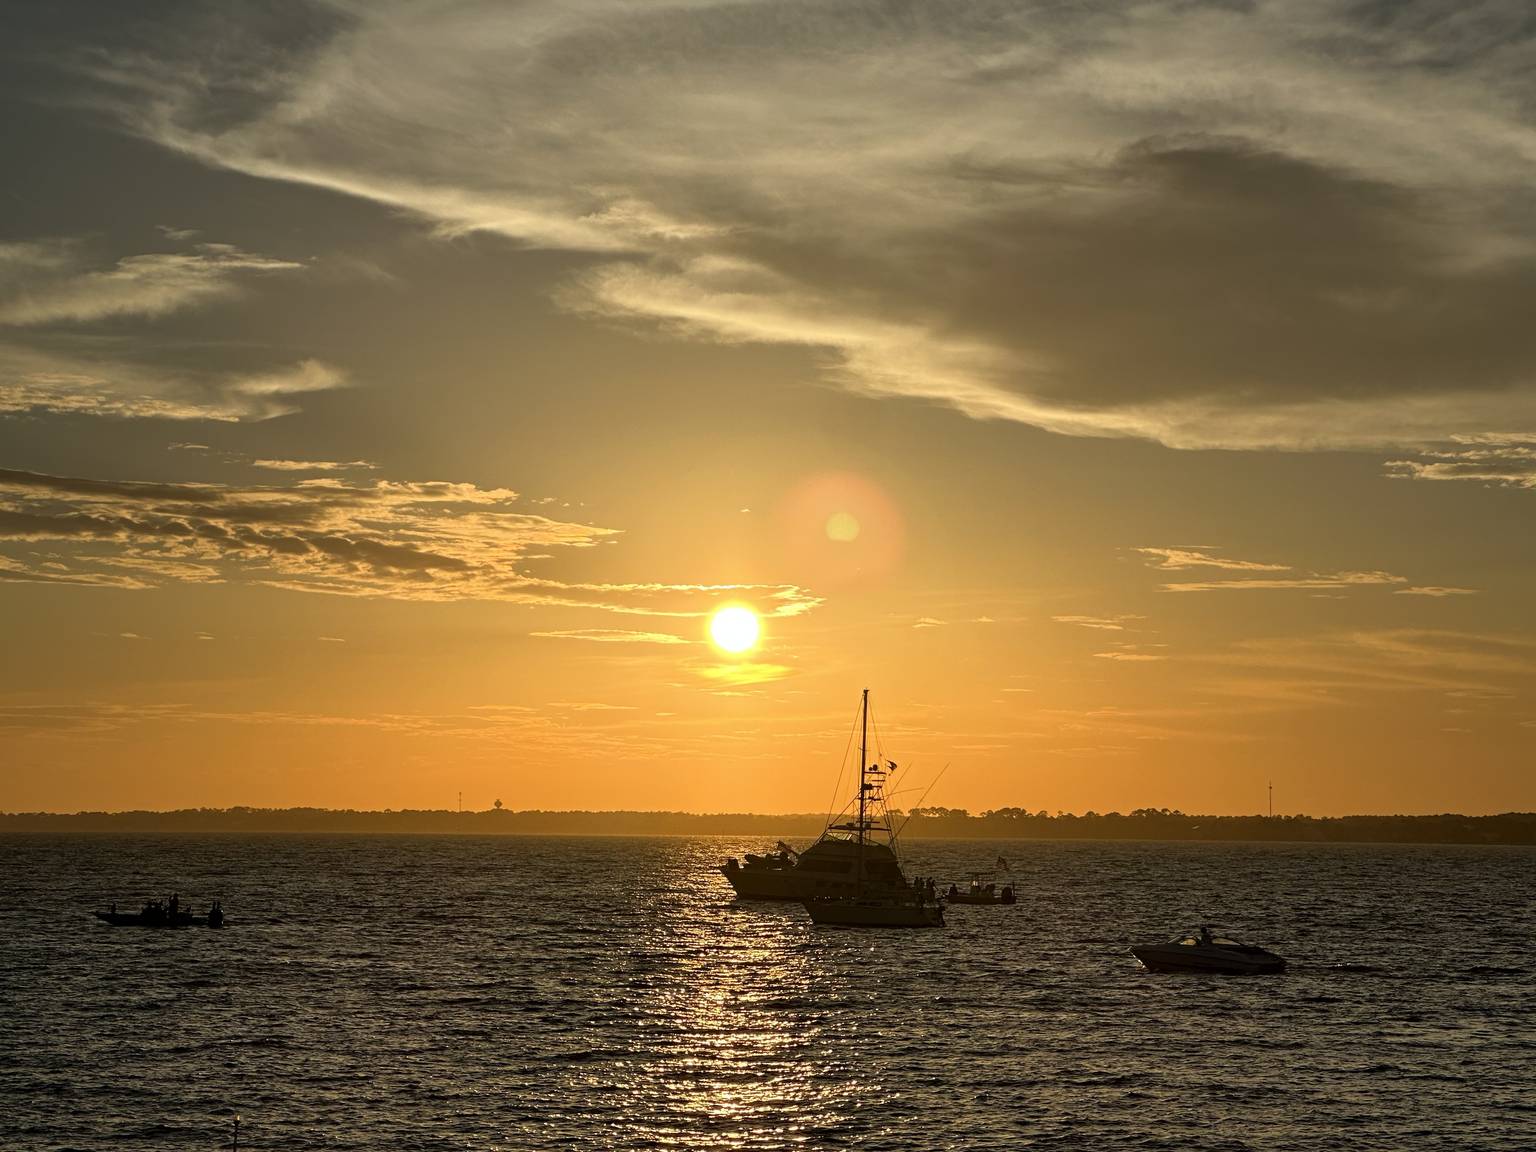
880 897
1202 952
845 861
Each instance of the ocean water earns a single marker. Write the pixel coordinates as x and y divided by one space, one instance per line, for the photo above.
527 993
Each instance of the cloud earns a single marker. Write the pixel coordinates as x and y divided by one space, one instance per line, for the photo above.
1335 580
1318 583
1507 459
36 381
1434 590
928 622
414 540
1129 656
1106 623
743 675
612 636
1333 669
1178 558
312 465
148 285
1266 225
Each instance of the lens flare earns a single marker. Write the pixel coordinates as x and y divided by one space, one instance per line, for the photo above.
734 628
843 527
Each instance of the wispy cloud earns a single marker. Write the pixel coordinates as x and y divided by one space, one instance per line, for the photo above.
1334 580
744 674
1330 670
314 465
148 285
416 540
1105 623
34 381
1179 558
1507 459
1333 196
611 636
1434 590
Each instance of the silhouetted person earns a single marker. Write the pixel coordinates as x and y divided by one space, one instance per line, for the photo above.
1205 935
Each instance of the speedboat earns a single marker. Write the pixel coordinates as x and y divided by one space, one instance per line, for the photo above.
1202 952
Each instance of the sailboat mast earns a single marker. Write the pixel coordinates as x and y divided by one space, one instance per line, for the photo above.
863 770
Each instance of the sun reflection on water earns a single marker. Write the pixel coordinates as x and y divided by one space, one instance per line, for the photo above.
734 1052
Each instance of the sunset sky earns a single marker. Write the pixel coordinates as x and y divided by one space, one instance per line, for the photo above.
1138 398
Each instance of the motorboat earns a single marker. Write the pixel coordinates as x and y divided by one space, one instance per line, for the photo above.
156 914
982 890
1203 952
873 892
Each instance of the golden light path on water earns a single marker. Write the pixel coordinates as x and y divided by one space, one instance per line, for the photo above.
737 1050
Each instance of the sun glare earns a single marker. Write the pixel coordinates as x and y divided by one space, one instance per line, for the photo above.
734 628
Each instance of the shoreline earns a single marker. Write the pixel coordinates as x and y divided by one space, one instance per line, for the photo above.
1511 828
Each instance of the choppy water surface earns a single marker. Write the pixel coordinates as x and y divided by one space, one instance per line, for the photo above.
522 993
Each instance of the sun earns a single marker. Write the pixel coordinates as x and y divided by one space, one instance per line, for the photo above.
734 628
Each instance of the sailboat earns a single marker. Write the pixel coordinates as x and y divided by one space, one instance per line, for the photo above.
874 901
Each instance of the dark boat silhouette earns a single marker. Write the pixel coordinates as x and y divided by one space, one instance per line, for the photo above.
981 891
870 906
1202 952
157 915
847 861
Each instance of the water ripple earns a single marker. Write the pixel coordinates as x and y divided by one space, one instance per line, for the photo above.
529 993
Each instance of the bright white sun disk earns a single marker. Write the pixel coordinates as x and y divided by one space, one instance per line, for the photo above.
734 628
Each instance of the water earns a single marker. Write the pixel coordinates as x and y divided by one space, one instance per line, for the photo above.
526 993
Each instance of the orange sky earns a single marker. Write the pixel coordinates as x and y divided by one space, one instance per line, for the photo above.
1141 409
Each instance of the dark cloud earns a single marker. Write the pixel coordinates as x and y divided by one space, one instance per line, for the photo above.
429 540
1210 224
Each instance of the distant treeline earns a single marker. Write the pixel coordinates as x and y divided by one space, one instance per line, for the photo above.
1002 823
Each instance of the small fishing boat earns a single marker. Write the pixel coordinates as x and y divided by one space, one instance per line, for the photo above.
1202 952
154 914
982 890
881 896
